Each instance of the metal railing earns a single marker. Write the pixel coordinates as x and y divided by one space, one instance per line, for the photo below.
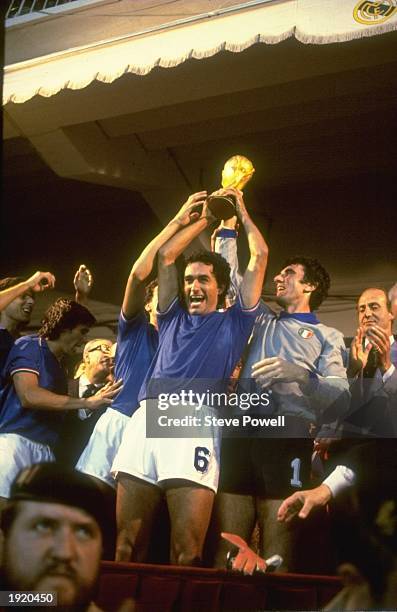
17 8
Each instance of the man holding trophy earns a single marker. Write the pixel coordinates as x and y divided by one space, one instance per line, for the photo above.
197 342
301 363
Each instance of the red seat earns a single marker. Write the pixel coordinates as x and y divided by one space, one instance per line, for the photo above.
166 588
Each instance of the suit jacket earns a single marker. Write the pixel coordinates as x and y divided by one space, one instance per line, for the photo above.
75 432
373 407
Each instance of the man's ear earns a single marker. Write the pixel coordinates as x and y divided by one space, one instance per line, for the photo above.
310 287
221 289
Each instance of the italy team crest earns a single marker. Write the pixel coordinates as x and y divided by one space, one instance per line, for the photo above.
305 333
373 12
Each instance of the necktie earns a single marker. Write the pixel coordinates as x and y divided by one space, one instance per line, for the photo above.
91 389
372 364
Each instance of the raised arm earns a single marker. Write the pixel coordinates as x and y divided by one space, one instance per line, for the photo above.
39 281
251 286
82 282
224 242
170 251
142 268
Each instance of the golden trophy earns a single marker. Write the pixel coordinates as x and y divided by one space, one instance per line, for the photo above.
236 173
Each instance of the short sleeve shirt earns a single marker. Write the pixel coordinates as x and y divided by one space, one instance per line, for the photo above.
32 354
137 341
200 347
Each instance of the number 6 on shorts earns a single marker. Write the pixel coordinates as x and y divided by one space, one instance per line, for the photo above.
201 458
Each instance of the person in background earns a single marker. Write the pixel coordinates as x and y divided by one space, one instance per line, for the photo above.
55 526
392 295
17 298
94 372
372 368
34 398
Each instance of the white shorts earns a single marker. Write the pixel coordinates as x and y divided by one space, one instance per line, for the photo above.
16 453
156 460
98 456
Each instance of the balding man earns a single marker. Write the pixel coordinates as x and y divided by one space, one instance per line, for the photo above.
372 368
92 375
373 374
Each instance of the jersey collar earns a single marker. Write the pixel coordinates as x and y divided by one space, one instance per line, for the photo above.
303 317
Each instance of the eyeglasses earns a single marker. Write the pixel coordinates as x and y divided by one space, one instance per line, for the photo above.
104 348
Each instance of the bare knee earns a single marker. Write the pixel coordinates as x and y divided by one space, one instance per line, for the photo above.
124 547
186 553
190 508
137 504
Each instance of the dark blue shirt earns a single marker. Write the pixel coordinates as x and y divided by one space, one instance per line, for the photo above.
194 348
137 341
6 344
32 354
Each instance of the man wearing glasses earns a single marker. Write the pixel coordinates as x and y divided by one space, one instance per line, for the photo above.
95 370
34 398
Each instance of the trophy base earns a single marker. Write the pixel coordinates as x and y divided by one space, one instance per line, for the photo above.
222 207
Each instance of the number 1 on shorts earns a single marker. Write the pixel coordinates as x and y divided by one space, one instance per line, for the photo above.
296 466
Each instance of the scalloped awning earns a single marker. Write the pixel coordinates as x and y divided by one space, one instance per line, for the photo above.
309 21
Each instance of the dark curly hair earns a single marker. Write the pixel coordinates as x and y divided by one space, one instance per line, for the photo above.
149 290
220 268
314 274
10 281
62 315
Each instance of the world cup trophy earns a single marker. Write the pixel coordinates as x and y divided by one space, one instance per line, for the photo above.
236 173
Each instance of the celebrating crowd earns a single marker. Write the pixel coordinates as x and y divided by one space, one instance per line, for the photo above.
199 328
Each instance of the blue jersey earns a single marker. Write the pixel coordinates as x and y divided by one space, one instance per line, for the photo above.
301 339
199 347
32 354
137 341
6 344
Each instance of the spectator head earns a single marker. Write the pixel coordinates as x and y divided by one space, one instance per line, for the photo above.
205 282
374 308
98 359
393 299
19 311
301 278
54 527
68 323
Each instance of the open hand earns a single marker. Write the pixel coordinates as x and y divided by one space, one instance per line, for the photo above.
104 396
246 560
83 280
302 503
